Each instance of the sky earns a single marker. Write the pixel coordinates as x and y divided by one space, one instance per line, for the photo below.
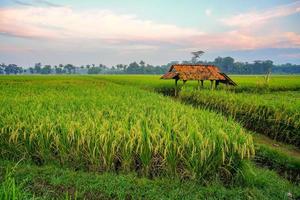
122 31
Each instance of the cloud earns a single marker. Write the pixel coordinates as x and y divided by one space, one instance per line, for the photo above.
22 3
208 12
241 40
36 3
293 37
66 28
260 17
48 3
14 49
91 24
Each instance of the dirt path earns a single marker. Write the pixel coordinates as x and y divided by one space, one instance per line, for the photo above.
284 148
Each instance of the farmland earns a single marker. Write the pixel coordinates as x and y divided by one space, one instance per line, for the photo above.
273 109
123 128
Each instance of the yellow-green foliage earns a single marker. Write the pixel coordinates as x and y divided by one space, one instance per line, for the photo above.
90 123
275 114
272 109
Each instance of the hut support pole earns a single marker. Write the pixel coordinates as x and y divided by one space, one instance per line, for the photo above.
202 85
217 83
176 88
184 81
211 84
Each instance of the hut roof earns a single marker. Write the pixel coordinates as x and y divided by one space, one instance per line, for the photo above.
196 72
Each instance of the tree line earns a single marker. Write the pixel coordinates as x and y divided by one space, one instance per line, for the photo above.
226 64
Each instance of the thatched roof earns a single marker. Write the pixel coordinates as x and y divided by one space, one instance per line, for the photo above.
196 72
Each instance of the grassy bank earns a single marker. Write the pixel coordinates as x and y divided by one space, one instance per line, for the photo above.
51 182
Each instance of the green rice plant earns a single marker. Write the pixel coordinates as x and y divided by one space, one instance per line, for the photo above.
269 114
246 83
9 189
88 123
273 110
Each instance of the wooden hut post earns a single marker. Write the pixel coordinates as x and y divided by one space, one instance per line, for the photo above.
217 83
184 81
202 85
211 84
176 88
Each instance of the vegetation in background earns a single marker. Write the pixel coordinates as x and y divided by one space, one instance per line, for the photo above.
226 64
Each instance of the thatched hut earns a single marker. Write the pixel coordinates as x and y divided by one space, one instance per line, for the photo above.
197 72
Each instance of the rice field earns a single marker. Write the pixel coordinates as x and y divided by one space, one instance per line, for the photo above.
272 109
90 123
276 114
245 83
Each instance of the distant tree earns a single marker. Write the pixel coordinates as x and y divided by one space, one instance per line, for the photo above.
196 56
46 69
133 68
2 67
31 70
286 68
228 64
119 67
59 69
94 70
12 69
69 68
142 63
37 68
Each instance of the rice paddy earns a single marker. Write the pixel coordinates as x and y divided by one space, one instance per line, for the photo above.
97 125
272 109
123 128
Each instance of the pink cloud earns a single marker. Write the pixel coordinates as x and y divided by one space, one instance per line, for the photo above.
94 28
65 23
260 17
241 40
293 37
14 49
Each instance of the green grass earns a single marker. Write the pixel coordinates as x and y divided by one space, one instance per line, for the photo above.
284 159
51 182
91 124
257 84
